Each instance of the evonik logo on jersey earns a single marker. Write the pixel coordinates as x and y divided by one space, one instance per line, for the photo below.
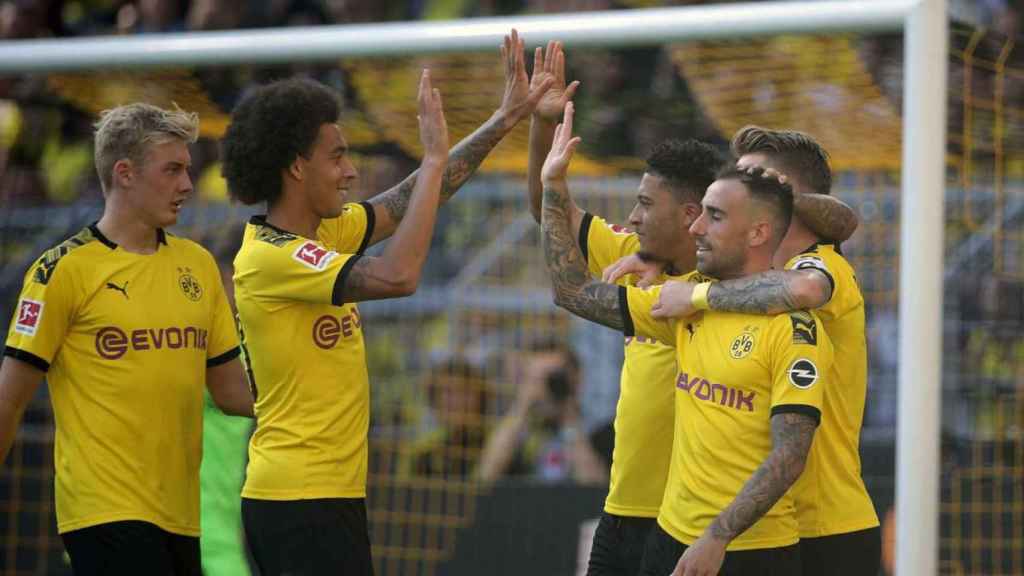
721 394
327 329
314 255
113 342
30 312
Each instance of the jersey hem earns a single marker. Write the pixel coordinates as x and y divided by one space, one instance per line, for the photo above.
842 529
630 511
180 529
338 291
27 357
371 223
223 358
628 329
734 546
584 238
805 409
282 495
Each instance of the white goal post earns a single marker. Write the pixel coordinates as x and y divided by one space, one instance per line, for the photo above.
925 27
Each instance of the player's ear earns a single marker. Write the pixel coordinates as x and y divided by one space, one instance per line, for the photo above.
123 173
691 212
297 169
760 233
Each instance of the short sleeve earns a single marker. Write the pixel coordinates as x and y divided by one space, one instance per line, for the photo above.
812 261
43 315
636 306
350 232
801 359
603 244
302 270
845 293
223 345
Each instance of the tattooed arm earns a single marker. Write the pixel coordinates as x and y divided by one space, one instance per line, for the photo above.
397 271
772 292
791 441
519 101
827 216
575 290
792 434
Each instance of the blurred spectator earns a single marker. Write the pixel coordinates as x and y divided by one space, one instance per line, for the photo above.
459 396
151 16
541 436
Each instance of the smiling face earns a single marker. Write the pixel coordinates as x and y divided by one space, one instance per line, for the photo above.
156 188
722 232
328 172
660 220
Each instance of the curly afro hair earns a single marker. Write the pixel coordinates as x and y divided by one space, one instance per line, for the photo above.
270 128
688 166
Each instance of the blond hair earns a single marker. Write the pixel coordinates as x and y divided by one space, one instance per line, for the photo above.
129 131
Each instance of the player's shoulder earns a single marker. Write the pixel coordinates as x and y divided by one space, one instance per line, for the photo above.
267 248
820 255
260 234
797 326
79 249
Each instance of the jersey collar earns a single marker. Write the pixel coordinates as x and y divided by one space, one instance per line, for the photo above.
261 220
161 236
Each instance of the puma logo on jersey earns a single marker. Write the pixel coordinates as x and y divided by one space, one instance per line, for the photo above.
121 289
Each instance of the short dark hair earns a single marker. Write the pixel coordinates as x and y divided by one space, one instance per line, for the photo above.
270 128
688 166
799 156
768 191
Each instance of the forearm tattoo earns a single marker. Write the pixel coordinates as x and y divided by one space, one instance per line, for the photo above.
575 290
463 161
791 441
768 292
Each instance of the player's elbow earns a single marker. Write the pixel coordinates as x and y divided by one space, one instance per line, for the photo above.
810 291
404 284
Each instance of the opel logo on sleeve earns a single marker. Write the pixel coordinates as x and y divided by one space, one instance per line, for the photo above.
803 374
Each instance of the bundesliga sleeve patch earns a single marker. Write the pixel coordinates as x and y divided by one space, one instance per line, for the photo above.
803 374
620 229
30 312
805 329
314 256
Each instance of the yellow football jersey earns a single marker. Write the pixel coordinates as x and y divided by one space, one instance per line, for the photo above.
645 410
735 372
303 348
125 340
830 494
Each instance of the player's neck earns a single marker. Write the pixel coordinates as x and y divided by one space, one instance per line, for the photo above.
127 230
292 216
684 262
797 240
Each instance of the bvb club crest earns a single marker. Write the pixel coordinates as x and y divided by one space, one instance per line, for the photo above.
189 285
742 345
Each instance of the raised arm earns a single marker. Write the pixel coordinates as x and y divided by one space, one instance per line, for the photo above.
792 434
574 288
827 216
519 101
548 64
397 271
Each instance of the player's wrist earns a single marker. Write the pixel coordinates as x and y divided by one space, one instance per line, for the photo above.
699 296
